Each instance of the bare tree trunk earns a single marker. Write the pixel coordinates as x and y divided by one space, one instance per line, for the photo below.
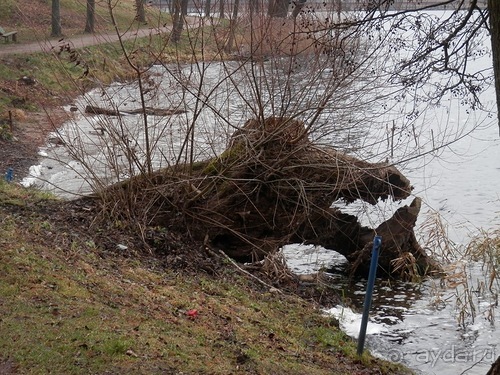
278 8
208 6
56 18
184 8
221 9
494 10
274 164
232 26
253 6
176 18
180 11
297 7
140 15
89 24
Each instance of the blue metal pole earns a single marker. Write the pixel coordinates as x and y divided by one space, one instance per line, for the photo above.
9 176
377 241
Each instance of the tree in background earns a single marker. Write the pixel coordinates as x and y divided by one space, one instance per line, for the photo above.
89 24
253 7
180 11
494 12
208 5
278 8
221 9
442 46
56 19
232 26
140 12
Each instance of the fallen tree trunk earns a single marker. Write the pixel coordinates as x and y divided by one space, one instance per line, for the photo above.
400 252
147 110
272 186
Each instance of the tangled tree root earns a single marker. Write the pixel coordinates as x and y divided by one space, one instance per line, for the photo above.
273 186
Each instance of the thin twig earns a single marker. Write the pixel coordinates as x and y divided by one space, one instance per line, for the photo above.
249 274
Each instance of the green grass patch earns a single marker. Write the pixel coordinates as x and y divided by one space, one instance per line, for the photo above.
70 308
17 195
6 8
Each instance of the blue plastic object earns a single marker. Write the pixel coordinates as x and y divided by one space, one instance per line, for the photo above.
9 176
377 241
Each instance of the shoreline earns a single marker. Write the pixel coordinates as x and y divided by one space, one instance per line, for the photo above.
30 132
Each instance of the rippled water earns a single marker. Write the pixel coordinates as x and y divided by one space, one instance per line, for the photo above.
412 323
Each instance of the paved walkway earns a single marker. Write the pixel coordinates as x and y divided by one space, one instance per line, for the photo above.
79 41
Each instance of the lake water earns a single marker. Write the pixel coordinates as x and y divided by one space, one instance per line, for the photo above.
419 324
413 323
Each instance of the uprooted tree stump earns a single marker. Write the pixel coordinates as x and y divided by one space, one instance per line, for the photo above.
271 187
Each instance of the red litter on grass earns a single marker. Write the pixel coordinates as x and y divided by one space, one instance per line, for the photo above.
192 314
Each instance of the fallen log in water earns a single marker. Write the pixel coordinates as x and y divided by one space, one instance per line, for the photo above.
272 186
147 110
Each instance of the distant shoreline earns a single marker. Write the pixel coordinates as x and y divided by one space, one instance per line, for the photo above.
196 6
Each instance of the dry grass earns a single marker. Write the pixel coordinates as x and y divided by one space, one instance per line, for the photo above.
484 249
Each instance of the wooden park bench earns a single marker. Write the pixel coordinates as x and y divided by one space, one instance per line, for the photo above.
5 35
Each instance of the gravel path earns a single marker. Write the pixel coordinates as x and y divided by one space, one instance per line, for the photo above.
76 41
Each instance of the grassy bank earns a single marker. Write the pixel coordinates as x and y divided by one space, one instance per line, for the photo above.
70 305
